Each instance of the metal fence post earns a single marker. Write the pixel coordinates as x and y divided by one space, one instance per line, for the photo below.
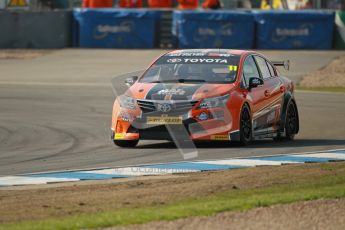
317 4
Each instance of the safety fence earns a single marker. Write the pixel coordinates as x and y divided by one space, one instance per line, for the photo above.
26 29
144 28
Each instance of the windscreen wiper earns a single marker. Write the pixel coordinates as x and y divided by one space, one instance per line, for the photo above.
182 80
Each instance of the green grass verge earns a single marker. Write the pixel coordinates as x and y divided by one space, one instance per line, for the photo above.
322 89
325 187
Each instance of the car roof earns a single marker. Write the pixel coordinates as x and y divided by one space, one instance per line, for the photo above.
210 51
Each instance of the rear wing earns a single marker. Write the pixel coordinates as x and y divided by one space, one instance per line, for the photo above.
285 64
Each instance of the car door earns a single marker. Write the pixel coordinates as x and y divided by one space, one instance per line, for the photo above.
255 95
273 94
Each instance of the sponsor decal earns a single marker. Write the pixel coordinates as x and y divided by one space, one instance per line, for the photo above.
171 92
199 54
226 30
113 29
212 58
233 67
205 60
219 55
126 116
203 116
280 34
102 31
183 92
187 55
119 136
174 60
164 120
206 32
214 35
220 137
293 32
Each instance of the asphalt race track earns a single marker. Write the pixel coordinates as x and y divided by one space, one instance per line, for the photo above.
55 113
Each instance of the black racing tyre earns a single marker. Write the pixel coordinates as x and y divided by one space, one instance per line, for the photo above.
291 123
246 131
126 143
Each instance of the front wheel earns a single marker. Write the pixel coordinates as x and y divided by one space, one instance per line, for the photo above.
246 135
126 143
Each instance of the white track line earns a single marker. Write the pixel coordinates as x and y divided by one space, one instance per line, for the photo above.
247 162
324 155
19 180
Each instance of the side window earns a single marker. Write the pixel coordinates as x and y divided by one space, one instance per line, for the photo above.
263 67
270 67
249 70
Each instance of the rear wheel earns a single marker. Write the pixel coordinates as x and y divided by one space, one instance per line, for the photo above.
291 123
246 135
126 143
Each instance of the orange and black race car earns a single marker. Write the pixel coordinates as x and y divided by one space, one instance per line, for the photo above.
208 95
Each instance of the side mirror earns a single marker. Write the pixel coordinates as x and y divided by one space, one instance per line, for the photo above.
255 82
131 80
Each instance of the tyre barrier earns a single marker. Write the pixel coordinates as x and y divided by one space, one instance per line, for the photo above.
143 28
215 29
294 29
116 28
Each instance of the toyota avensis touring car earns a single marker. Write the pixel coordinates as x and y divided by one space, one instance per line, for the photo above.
213 95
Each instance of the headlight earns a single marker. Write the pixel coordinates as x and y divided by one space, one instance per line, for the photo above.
213 102
127 102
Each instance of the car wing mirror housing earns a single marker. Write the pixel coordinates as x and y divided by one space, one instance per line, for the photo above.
131 80
255 82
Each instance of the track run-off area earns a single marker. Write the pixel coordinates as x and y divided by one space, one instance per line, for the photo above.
55 113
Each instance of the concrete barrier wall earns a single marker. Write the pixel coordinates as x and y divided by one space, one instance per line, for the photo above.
23 29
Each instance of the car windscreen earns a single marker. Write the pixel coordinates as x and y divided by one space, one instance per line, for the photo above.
203 69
